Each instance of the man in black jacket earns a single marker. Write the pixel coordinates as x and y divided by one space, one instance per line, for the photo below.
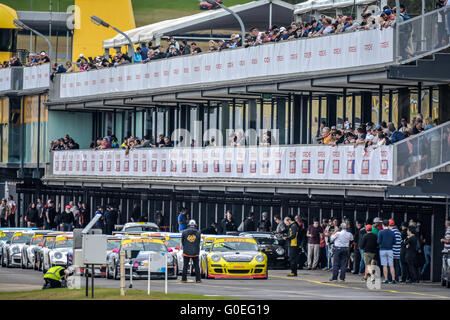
264 225
227 224
190 243
369 245
249 223
412 248
111 219
291 238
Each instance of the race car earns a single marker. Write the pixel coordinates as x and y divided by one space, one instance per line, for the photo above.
268 243
205 5
235 257
113 242
41 253
136 227
5 237
29 250
57 254
12 250
136 258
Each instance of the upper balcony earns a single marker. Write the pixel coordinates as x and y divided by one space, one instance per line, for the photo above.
27 80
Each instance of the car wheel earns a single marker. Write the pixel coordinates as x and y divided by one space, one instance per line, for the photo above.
448 284
443 282
108 274
206 272
2 262
7 261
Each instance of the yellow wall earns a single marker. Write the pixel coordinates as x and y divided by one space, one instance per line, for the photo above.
88 37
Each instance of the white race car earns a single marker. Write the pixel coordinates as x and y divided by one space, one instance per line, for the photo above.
12 252
29 250
57 254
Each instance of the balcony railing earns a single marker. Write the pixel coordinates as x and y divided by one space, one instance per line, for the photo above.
347 50
423 153
423 35
277 163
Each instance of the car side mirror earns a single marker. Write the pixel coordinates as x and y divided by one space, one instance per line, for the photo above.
115 250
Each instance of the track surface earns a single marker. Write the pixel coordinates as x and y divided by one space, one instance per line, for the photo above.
309 285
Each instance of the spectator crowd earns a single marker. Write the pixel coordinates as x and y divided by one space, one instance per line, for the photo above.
66 143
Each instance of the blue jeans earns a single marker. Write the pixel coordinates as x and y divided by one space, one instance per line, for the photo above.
340 262
427 253
326 256
362 266
67 226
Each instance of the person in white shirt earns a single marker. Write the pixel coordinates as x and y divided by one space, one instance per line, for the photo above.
342 239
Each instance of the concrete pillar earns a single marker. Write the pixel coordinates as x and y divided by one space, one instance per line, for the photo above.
366 107
444 103
226 120
296 121
331 109
404 106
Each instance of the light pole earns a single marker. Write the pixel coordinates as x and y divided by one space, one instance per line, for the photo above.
100 22
234 15
19 24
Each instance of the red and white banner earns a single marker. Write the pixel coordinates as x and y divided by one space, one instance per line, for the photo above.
5 79
343 163
347 50
36 77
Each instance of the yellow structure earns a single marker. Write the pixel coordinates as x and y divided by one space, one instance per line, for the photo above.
7 31
88 37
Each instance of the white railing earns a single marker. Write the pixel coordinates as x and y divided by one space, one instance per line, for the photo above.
347 50
5 79
36 77
318 163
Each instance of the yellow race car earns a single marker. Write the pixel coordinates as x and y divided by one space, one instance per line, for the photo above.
234 257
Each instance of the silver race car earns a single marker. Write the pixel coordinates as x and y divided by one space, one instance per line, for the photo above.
12 250
29 250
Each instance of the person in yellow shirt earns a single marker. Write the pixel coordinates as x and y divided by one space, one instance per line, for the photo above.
326 135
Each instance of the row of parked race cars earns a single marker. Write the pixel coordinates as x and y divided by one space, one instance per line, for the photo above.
246 255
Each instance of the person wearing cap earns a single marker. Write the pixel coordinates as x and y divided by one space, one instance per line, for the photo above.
377 225
190 244
369 246
386 240
67 219
264 225
342 241
396 248
56 277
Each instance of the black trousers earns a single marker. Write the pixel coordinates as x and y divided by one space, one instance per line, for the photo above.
51 283
357 260
195 262
340 262
12 220
412 268
3 222
293 259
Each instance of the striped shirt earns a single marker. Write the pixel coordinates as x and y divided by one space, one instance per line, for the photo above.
447 236
397 244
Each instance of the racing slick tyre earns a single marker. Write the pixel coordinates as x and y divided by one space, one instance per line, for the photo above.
22 265
2 261
7 262
108 275
443 282
447 284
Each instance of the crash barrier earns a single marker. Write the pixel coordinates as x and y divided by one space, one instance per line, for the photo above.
422 153
5 79
322 163
36 76
348 50
422 35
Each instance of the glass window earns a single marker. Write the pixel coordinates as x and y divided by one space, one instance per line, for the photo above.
315 118
385 108
414 104
323 109
239 117
4 113
395 118
357 112
148 122
274 114
425 108
435 104
375 107
340 109
348 108
267 110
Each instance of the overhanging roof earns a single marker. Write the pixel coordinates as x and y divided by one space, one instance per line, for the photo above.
253 14
39 20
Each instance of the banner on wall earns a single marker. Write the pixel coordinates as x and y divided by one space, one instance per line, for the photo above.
5 79
344 163
36 76
345 50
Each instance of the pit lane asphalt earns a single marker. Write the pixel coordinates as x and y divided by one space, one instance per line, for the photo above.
309 285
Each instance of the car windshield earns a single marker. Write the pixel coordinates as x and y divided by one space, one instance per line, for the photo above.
65 243
37 239
234 246
144 246
173 242
22 238
266 240
5 235
112 244
49 242
141 228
